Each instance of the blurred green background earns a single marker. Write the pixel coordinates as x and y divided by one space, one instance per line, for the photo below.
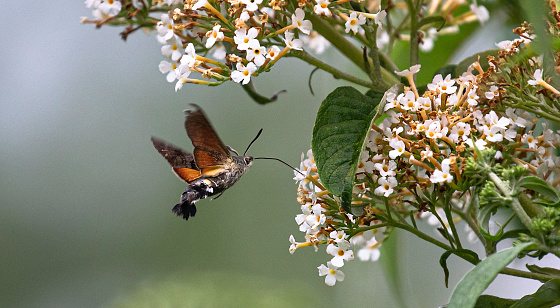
86 201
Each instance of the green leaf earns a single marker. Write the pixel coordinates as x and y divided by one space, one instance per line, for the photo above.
542 187
548 295
463 252
464 65
484 216
543 270
478 279
489 301
432 19
342 124
493 238
258 98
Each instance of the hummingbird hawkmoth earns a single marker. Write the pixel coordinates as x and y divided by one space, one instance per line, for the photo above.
210 169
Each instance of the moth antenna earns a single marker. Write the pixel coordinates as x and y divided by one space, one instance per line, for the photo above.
285 163
250 144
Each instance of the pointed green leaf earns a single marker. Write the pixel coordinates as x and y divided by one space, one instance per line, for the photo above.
543 270
548 295
477 280
489 301
438 20
342 124
258 98
465 252
542 187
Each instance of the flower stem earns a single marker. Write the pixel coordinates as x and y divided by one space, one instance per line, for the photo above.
515 205
352 52
327 68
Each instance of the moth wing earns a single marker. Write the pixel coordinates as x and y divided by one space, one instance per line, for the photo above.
207 158
202 134
189 175
181 161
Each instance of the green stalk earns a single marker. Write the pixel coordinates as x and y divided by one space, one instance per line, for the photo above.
515 205
352 52
447 210
413 33
523 274
300 54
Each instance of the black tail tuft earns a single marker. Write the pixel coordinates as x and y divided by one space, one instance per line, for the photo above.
185 209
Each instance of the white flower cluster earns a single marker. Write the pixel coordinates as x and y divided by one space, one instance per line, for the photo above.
313 222
424 141
254 34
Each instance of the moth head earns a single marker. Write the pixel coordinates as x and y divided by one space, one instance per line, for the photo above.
248 160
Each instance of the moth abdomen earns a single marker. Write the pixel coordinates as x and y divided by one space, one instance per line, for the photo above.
199 189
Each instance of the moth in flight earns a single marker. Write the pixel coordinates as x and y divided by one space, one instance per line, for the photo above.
210 169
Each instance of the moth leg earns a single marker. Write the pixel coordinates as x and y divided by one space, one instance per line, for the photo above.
218 196
231 149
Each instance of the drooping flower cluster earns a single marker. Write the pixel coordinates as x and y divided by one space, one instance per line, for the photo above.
319 220
416 159
246 38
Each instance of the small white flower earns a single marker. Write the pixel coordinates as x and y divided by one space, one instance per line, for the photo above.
492 93
411 71
530 140
493 134
480 143
370 251
199 4
338 235
169 68
435 130
245 39
189 58
293 244
273 52
472 98
304 26
219 52
408 101
387 168
322 8
424 103
341 253
444 174
460 132
291 42
398 148
165 27
182 72
354 22
481 12
331 272
252 5
243 73
538 78
386 185
316 42
379 17
110 7
213 36
257 55
174 49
